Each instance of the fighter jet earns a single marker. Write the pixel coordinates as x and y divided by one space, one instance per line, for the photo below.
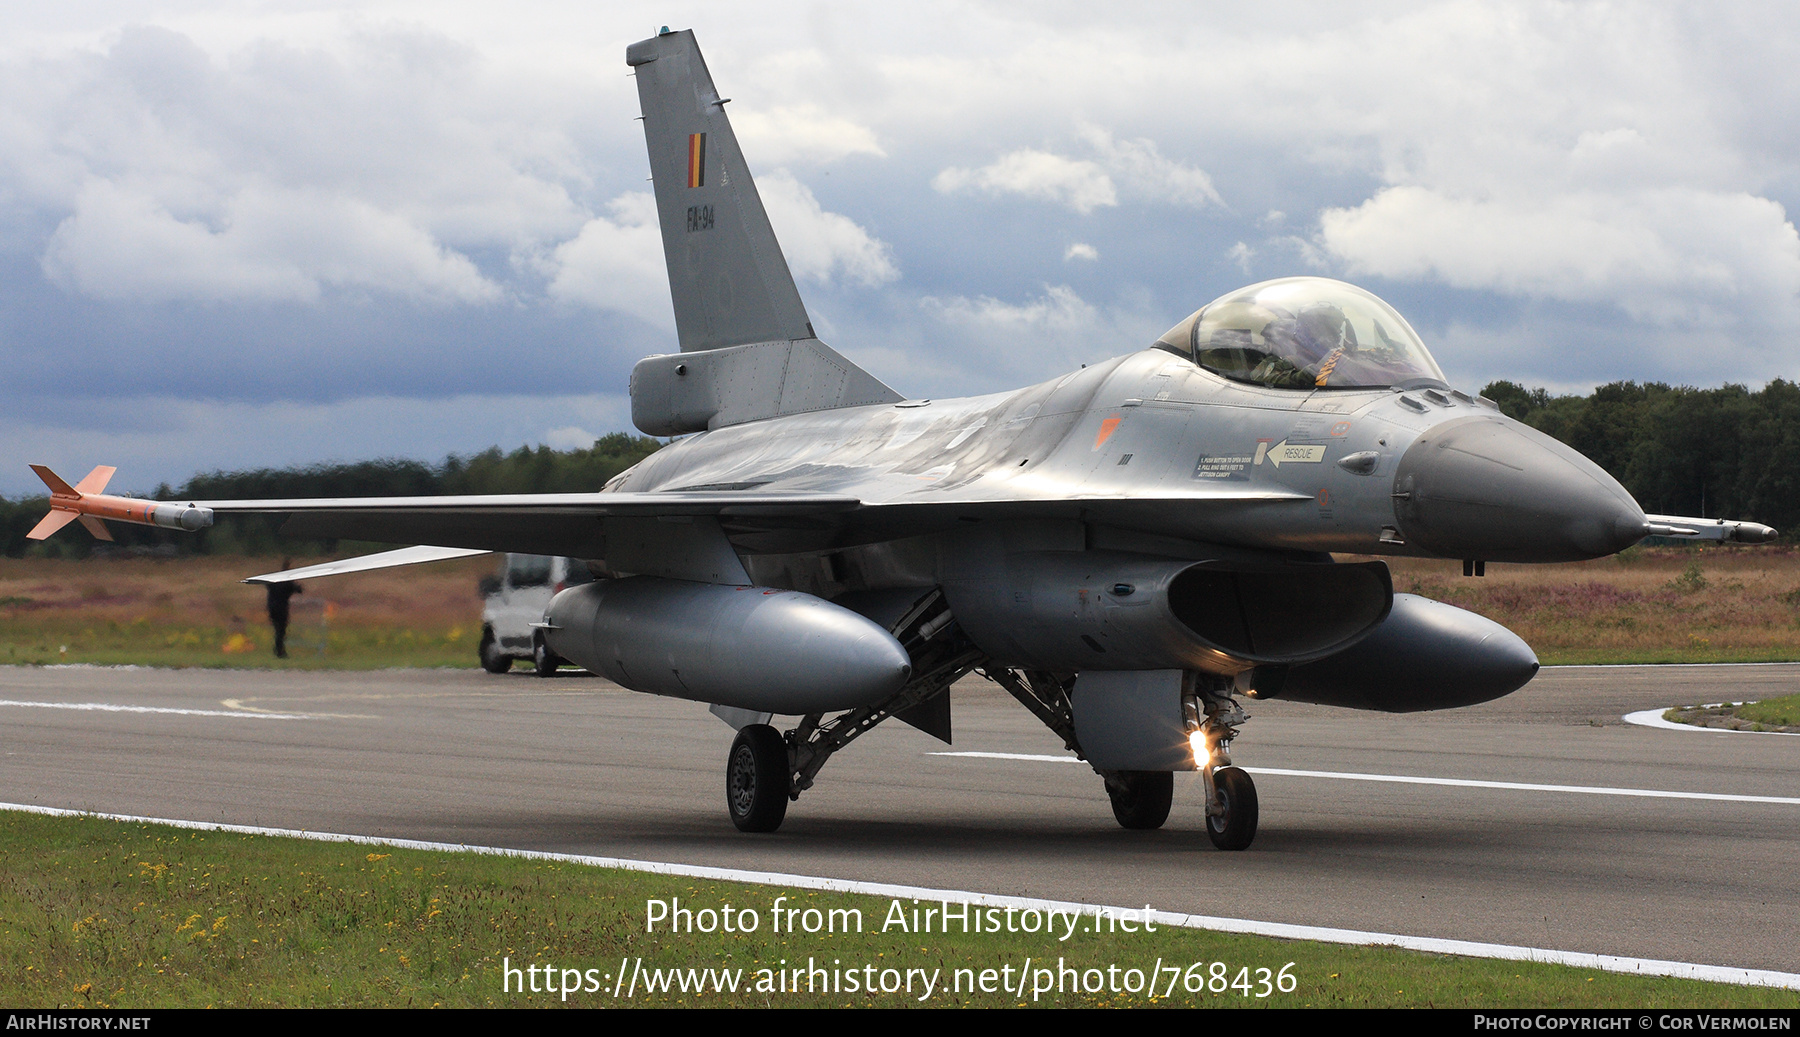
1127 549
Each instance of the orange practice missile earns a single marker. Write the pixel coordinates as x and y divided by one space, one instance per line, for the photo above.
84 502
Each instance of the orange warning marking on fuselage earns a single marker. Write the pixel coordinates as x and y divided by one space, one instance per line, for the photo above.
1106 431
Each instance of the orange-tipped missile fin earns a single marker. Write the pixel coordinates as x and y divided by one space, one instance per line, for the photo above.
96 527
49 524
96 480
58 488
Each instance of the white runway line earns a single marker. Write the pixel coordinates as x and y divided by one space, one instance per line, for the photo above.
1279 930
1469 783
1654 718
108 707
1016 756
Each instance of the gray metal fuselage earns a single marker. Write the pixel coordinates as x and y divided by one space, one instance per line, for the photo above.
1146 452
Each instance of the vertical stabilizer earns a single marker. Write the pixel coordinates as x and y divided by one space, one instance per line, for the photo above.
730 282
747 348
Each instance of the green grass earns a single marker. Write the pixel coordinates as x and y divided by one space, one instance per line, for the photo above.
102 642
1784 711
104 913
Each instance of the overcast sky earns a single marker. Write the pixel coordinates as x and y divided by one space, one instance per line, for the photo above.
247 234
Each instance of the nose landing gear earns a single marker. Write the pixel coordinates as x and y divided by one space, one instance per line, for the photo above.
1230 794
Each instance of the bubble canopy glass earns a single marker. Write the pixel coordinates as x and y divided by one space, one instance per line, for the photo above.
1305 333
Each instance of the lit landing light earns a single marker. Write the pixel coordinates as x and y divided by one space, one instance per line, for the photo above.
1204 748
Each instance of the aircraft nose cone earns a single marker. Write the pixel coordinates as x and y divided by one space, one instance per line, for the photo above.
1488 487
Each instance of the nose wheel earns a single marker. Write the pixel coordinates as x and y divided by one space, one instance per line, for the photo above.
1230 794
1231 816
756 779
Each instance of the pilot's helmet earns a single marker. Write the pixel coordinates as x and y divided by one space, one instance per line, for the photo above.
1327 328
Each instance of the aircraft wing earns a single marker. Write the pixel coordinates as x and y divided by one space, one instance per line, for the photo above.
575 524
528 523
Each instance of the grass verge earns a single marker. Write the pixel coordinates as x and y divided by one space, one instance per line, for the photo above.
1782 714
105 913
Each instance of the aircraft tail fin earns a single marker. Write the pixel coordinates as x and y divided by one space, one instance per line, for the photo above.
730 283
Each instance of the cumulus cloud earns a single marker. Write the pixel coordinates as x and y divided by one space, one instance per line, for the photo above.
1081 250
262 244
801 133
616 262
389 183
987 344
1076 183
569 437
1136 167
1663 256
1058 311
822 246
1146 173
276 173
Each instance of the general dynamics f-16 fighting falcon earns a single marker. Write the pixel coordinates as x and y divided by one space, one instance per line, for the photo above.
1125 549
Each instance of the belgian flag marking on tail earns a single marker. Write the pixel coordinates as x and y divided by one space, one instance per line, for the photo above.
696 160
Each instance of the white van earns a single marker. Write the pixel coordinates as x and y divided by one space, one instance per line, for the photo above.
517 598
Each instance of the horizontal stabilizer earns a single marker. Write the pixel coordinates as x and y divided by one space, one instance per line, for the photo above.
364 563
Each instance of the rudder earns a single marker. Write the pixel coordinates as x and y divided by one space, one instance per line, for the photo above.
730 282
748 350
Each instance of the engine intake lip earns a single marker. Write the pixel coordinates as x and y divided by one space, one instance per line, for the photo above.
1281 614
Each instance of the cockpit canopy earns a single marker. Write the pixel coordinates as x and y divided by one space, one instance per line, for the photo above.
1304 333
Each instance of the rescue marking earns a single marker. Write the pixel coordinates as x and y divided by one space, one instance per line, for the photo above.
1471 783
1292 454
1279 930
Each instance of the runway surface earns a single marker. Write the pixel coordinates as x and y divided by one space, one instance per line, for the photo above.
1522 851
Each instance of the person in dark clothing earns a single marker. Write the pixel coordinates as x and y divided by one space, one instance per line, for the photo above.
279 593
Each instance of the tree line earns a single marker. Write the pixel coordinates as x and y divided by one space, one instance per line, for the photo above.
1708 453
525 470
1711 453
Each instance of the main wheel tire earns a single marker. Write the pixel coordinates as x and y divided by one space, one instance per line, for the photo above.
493 660
756 779
1143 802
544 662
1233 829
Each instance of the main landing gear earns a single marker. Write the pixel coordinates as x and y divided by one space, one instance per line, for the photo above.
767 768
1141 799
756 779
